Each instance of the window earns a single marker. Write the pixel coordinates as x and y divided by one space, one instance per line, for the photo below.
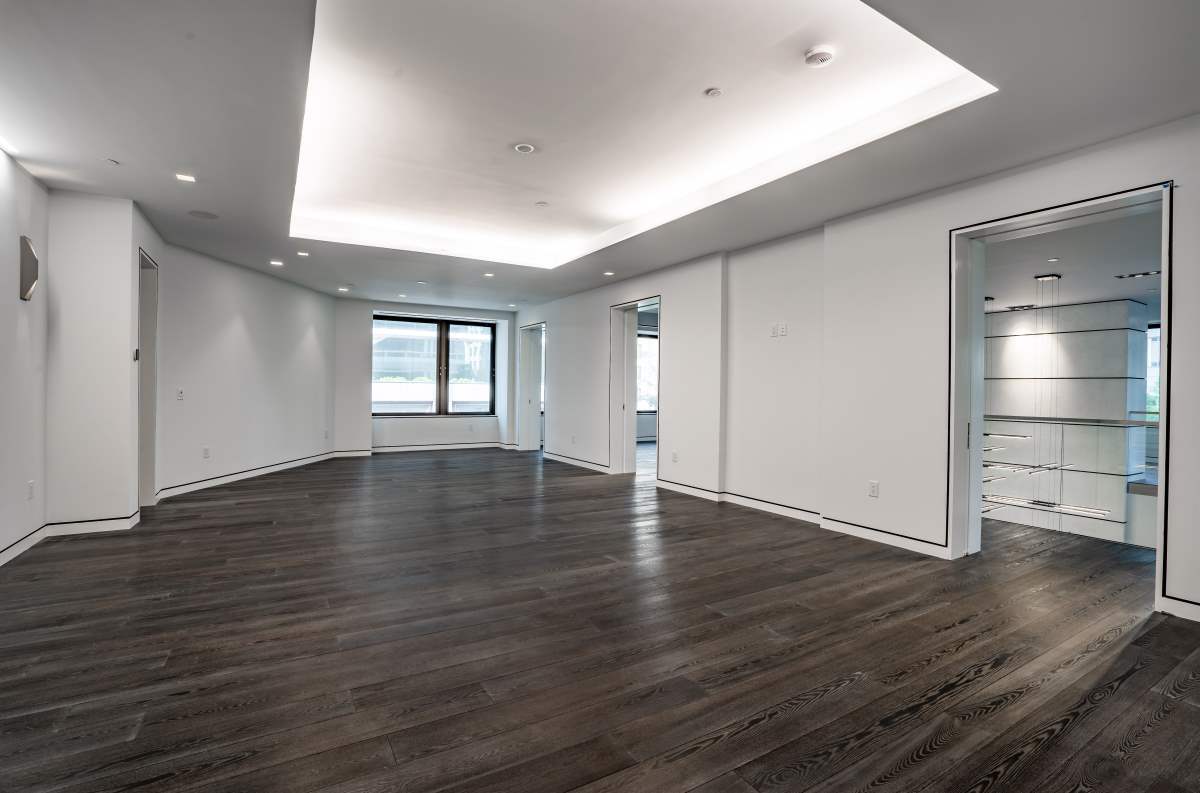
647 373
432 367
1153 336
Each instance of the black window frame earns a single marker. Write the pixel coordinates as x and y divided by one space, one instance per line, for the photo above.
442 382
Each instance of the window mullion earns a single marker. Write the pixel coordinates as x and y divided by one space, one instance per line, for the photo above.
443 383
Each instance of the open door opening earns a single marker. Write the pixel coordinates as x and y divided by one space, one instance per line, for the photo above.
531 418
646 430
147 368
1058 382
634 414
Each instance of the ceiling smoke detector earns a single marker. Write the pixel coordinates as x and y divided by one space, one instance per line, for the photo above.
713 92
819 57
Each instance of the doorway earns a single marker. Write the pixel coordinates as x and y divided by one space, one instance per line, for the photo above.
1058 389
147 368
531 419
634 367
646 396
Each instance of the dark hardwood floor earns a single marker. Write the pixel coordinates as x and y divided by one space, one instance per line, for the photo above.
487 621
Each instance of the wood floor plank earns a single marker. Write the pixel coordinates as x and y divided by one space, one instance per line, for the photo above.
485 620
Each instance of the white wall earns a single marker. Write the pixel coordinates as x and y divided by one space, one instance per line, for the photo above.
254 356
23 211
91 386
878 388
357 432
886 274
773 398
690 370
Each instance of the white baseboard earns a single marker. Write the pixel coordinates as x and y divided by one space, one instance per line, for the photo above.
189 487
67 528
435 447
688 490
22 545
91 526
907 543
1178 608
604 469
808 516
366 453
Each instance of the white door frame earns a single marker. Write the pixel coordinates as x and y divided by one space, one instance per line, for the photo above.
622 382
147 379
529 413
964 488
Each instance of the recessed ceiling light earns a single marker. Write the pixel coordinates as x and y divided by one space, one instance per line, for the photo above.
1139 275
276 263
512 305
713 92
609 272
401 295
1052 261
343 289
185 177
203 215
422 283
541 204
524 148
489 275
819 57
301 253
1048 277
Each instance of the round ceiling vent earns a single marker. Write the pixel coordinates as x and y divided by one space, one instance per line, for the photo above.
819 57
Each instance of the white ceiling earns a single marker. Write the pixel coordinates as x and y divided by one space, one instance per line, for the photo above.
1089 257
217 88
413 111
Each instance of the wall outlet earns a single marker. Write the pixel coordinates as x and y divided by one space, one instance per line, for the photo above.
774 331
873 489
179 393
782 328
206 452
29 488
674 456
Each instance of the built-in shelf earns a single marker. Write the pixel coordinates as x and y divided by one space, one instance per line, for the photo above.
1077 421
1047 506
